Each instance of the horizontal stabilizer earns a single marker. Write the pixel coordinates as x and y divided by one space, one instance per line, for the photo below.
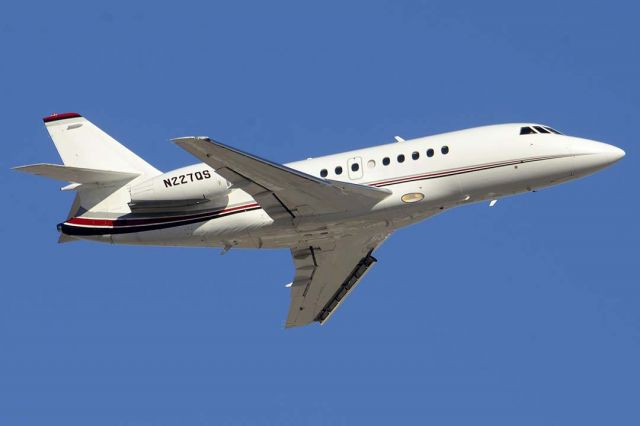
77 174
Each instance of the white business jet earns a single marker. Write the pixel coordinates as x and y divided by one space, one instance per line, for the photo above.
332 212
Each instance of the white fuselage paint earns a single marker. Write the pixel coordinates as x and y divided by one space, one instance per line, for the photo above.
482 163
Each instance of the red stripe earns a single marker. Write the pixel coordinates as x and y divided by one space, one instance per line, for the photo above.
150 221
444 173
451 171
56 117
427 175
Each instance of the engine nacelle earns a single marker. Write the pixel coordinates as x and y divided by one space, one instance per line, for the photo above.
184 187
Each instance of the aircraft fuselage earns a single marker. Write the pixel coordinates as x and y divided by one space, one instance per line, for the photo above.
426 176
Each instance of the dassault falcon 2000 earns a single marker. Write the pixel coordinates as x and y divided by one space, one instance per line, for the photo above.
332 212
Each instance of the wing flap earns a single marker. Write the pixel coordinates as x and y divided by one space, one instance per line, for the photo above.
324 277
345 288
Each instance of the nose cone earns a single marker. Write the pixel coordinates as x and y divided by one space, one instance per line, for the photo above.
591 156
615 153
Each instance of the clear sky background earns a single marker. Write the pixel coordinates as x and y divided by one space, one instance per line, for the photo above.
526 313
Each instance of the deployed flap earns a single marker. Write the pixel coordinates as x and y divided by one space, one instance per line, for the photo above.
76 174
281 191
324 277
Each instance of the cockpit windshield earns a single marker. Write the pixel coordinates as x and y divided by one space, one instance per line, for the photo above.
532 130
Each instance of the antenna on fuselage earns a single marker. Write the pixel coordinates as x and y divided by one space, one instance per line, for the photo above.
398 139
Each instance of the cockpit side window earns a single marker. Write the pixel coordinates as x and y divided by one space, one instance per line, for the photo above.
532 130
552 130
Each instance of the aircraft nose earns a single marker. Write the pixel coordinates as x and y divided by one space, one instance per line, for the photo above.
591 156
616 153
608 154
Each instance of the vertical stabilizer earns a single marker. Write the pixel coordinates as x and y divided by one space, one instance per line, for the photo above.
81 144
101 165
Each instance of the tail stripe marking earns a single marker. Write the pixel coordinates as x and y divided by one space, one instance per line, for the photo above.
56 117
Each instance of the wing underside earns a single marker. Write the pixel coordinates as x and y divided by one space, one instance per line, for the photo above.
326 274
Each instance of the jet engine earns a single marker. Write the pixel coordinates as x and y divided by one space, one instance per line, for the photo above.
180 188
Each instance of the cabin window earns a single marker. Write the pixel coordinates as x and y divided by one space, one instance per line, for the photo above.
371 164
401 158
338 170
415 155
386 161
430 152
355 167
324 172
444 149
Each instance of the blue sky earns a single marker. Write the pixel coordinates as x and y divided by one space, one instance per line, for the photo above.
526 313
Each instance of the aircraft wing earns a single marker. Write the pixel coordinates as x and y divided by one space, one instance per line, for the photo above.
326 274
280 190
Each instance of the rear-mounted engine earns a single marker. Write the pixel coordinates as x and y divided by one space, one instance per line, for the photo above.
180 188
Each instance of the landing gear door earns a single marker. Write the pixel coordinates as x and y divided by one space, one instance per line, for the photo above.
354 166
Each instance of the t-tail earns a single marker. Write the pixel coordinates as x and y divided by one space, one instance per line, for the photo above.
96 166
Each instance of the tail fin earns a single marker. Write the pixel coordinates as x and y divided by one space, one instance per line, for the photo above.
98 167
81 144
